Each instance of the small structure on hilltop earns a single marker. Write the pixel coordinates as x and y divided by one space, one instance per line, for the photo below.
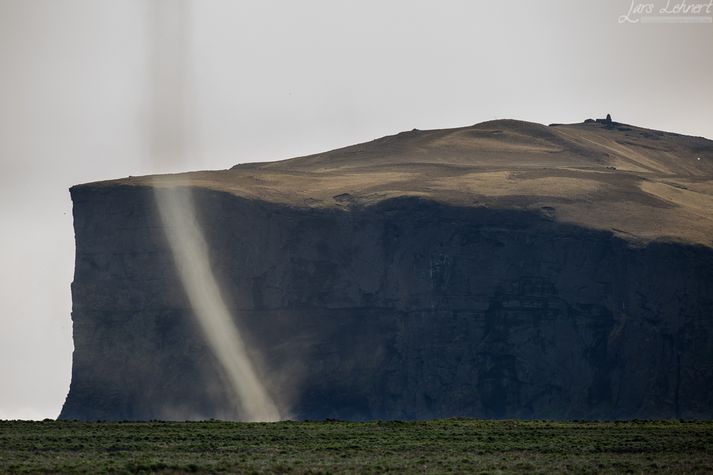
608 122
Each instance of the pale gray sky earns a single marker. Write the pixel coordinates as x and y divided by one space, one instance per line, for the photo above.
264 80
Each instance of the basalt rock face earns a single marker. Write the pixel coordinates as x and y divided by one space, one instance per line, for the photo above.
397 308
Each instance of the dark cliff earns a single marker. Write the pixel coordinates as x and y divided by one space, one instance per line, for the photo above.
503 270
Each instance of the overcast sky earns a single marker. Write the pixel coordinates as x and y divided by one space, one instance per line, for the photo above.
90 89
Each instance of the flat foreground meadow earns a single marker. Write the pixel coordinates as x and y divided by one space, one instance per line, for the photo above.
453 445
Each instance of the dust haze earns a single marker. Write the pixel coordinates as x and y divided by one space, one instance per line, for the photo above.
172 97
191 258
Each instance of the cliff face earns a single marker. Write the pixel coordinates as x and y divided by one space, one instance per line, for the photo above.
407 309
402 307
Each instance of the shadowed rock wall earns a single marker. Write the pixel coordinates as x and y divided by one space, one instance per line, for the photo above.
405 309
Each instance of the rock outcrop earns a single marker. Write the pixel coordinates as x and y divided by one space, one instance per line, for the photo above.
504 270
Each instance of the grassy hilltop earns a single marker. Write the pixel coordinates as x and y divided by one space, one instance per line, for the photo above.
345 447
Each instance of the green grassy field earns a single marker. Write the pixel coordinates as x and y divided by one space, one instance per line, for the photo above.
333 447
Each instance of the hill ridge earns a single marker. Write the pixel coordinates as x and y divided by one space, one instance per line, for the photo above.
602 175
